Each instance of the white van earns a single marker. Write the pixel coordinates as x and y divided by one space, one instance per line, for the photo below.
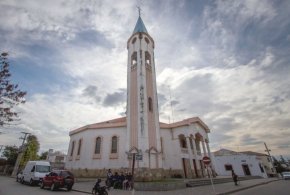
34 171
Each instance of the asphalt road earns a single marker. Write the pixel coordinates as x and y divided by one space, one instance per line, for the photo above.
281 187
8 186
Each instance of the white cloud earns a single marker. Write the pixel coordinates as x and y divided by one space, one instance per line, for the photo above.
221 65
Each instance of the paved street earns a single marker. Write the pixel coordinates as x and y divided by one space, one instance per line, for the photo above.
202 190
8 186
280 187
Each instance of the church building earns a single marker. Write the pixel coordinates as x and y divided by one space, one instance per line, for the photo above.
140 141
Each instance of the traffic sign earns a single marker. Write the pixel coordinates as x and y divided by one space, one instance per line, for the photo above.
206 160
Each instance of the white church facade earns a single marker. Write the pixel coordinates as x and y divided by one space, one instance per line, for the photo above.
161 150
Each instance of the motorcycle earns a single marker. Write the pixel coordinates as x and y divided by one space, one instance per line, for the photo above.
103 190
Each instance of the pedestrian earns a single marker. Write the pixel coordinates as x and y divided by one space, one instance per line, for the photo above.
109 178
235 177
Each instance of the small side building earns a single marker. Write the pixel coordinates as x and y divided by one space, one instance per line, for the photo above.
57 159
246 163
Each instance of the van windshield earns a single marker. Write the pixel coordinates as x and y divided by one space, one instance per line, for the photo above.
42 168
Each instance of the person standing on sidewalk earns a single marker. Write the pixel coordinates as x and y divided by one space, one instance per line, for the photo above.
235 177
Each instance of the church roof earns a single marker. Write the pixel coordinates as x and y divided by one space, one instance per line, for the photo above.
140 27
121 122
253 153
185 122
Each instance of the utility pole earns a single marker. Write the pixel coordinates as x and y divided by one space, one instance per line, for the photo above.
268 151
20 154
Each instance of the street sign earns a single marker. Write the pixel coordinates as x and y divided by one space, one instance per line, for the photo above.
206 160
138 157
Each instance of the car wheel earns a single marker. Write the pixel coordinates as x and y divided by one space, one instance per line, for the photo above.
22 180
31 182
52 187
69 188
41 185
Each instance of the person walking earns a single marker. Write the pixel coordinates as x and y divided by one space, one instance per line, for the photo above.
235 177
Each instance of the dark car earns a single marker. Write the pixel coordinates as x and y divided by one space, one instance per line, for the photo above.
58 179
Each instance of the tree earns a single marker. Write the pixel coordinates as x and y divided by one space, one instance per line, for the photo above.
10 95
30 150
43 155
10 152
278 165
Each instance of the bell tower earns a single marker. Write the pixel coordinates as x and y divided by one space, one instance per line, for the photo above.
142 105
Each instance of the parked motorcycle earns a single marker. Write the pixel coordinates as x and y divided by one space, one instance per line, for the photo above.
100 190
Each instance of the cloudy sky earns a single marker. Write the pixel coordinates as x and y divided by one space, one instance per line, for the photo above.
227 62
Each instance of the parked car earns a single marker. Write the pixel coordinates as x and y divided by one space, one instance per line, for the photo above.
34 171
286 175
58 179
19 176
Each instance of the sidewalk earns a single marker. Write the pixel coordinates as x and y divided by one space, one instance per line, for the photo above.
220 189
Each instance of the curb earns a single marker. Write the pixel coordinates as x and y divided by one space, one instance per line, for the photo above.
81 191
223 193
245 188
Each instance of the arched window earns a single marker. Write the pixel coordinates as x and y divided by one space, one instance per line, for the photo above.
147 40
134 40
98 145
114 148
150 106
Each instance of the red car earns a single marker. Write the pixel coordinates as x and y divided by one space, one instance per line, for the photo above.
58 179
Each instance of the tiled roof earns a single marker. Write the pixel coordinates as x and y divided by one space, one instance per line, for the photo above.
122 122
184 123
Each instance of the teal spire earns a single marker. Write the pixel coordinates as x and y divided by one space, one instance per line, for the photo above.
140 27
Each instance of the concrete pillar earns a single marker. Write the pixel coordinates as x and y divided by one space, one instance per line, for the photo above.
203 147
190 155
198 167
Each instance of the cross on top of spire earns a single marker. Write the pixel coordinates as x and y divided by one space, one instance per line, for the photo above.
140 27
139 10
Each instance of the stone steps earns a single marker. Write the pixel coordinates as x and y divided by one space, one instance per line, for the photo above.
202 182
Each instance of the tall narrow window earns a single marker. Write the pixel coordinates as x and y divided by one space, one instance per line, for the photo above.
150 107
114 148
134 58
182 141
80 145
72 148
147 58
98 145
